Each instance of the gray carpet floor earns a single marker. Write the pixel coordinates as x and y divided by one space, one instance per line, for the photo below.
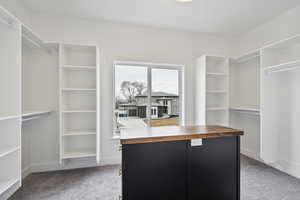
258 182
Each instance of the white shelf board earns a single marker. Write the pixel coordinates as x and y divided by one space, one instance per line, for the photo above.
8 117
248 56
6 185
8 150
216 108
78 155
79 111
288 42
216 74
216 91
253 111
78 89
74 67
283 67
78 132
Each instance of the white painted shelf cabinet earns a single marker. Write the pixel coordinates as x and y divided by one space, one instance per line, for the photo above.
10 106
212 92
79 101
263 101
227 93
280 97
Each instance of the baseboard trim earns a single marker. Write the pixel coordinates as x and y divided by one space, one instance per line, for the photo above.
291 168
26 171
72 164
251 154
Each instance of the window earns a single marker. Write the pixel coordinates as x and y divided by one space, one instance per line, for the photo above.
135 107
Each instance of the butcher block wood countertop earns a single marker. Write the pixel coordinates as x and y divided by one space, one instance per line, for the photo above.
174 133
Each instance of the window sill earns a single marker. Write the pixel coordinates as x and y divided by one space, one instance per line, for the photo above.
116 137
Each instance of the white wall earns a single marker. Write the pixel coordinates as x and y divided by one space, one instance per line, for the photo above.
136 43
281 27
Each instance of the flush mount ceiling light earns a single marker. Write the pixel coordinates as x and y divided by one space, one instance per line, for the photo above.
184 1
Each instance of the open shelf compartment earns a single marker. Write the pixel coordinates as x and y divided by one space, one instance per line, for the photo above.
79 146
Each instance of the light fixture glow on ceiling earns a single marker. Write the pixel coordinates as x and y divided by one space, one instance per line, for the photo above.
184 1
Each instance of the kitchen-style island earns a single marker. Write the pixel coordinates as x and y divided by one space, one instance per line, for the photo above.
181 163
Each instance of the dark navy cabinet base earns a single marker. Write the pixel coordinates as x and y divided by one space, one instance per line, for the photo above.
177 171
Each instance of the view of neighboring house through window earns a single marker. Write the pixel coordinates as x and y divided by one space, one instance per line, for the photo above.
135 107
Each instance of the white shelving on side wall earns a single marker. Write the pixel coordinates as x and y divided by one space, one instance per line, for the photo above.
212 90
10 107
79 102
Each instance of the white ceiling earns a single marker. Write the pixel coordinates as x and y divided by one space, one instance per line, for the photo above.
212 16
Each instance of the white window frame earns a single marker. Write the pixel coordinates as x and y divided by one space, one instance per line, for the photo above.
150 66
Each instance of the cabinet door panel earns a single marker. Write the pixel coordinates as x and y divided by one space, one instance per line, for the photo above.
155 171
214 169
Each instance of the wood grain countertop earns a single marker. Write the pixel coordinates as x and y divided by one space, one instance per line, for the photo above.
174 133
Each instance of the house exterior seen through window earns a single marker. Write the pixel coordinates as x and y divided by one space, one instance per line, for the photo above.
135 107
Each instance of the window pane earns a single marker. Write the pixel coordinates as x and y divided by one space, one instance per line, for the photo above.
165 97
130 94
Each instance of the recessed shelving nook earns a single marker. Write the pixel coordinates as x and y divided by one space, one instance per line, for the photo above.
212 90
244 76
79 102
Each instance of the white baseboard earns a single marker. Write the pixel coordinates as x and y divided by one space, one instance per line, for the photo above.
291 168
26 171
251 154
288 167
73 164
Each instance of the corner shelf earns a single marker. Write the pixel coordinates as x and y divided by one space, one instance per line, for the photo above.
79 111
78 89
216 91
217 109
247 57
78 132
74 67
216 74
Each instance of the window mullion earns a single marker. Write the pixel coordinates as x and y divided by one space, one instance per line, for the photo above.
149 88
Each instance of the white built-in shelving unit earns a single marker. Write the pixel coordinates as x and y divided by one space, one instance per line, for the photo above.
79 101
10 107
212 90
280 99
